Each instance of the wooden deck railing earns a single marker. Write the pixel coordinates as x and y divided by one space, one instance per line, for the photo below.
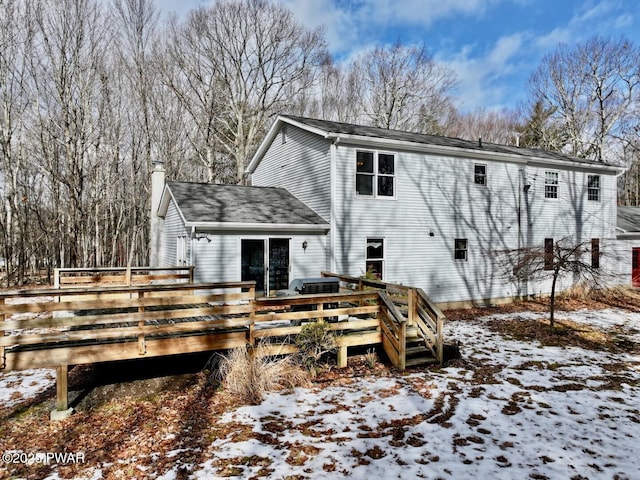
58 327
402 307
86 277
429 320
394 332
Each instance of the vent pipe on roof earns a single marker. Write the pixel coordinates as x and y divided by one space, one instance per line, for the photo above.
480 142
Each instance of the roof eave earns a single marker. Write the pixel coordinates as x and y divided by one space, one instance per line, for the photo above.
289 227
165 200
465 152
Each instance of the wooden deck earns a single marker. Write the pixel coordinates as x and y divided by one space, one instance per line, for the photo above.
76 325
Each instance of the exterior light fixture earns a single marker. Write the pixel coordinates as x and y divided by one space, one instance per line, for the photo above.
305 245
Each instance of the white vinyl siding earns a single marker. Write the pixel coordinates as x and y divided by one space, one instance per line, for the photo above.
218 260
173 229
436 205
301 165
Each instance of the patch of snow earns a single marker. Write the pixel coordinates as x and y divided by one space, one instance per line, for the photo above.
18 386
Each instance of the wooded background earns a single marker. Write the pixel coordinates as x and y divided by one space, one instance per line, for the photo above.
92 93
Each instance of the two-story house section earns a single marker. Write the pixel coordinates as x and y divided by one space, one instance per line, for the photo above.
432 211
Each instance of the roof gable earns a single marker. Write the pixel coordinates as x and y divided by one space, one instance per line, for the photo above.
219 206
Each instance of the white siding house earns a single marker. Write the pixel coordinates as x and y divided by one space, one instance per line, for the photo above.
432 211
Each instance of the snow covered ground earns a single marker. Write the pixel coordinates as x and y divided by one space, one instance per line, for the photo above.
515 409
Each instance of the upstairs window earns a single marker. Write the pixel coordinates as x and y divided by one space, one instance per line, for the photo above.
593 188
375 257
460 249
550 184
375 174
480 174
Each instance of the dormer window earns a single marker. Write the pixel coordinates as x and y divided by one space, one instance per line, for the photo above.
375 174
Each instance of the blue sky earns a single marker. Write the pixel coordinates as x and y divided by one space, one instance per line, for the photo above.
492 45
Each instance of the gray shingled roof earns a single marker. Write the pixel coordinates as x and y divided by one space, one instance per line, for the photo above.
629 219
383 133
211 203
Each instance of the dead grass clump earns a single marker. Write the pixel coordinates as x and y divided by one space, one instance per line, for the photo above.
622 297
565 333
248 374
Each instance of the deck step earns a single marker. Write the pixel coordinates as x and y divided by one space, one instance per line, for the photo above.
416 361
417 350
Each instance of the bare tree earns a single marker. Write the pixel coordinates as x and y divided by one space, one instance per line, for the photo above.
14 50
554 261
402 87
248 59
496 127
590 89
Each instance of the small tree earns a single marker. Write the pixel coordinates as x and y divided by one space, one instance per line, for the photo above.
555 260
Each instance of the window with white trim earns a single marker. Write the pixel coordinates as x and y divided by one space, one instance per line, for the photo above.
480 174
460 249
593 188
550 184
375 174
375 257
181 251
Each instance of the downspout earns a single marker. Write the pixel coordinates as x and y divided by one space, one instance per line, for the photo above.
192 250
332 212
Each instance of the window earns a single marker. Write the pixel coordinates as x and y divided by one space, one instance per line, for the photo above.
375 257
593 188
595 253
480 174
181 250
548 253
460 249
550 184
375 174
283 134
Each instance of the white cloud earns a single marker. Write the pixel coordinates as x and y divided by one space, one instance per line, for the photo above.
482 78
351 24
554 38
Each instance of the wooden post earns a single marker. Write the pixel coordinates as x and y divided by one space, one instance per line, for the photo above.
127 281
440 338
2 357
411 307
342 356
62 393
191 268
402 342
252 316
142 344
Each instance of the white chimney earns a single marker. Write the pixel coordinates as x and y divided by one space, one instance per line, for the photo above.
155 234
